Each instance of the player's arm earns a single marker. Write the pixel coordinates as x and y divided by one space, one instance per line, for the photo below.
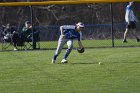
79 41
62 31
80 44
128 14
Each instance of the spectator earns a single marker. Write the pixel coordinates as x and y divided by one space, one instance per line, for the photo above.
8 34
27 30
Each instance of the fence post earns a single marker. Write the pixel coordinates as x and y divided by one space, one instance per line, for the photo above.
33 37
112 24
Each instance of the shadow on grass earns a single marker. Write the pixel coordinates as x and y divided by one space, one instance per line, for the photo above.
77 63
83 63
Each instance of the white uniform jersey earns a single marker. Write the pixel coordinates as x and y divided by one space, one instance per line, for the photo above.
129 15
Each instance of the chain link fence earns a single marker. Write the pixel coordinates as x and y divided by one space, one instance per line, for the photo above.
48 19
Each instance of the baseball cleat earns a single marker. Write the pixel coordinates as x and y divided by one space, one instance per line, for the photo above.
64 61
53 61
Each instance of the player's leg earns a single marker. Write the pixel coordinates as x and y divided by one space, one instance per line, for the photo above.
128 27
134 31
136 35
60 45
125 34
68 51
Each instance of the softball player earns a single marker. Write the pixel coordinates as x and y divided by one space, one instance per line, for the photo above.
130 20
68 34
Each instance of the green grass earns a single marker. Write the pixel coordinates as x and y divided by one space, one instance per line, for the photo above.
95 43
32 71
87 44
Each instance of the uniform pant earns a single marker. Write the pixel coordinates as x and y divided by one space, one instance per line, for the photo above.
60 46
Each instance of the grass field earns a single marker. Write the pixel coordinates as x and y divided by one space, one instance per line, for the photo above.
32 71
87 44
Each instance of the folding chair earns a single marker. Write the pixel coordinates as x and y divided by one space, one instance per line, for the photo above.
8 35
6 40
29 38
19 42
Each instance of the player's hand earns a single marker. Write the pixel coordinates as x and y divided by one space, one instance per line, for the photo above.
62 36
